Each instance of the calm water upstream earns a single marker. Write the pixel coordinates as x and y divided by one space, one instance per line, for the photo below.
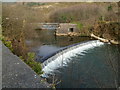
47 43
90 68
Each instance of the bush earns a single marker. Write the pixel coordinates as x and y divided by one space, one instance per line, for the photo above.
7 42
13 30
110 8
79 25
36 66
35 4
85 13
76 13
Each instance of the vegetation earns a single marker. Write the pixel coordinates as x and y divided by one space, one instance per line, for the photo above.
79 25
7 42
110 7
18 19
13 35
109 30
83 12
35 4
36 66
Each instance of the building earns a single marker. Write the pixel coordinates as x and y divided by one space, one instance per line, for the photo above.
67 29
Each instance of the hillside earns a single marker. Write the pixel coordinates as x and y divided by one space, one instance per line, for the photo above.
18 19
63 12
110 30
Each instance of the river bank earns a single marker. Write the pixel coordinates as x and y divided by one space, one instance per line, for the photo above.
107 32
105 40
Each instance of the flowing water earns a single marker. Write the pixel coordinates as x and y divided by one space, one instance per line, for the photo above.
86 67
91 65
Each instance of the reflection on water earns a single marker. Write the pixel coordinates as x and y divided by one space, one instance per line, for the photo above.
46 42
91 70
46 50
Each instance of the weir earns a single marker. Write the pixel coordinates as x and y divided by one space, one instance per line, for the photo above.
50 26
62 57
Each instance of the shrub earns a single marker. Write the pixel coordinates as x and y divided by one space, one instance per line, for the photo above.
36 66
13 30
84 12
21 57
31 56
102 18
110 7
76 13
7 42
35 4
79 25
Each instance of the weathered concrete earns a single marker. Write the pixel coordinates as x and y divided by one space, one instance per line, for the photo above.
67 29
16 74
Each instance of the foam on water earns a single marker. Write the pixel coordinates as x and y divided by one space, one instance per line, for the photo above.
64 58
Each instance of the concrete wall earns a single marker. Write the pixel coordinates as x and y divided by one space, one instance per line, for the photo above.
64 28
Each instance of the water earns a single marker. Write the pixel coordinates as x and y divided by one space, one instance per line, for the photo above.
45 43
87 67
64 58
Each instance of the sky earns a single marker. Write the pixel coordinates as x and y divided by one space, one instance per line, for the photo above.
8 0
58 0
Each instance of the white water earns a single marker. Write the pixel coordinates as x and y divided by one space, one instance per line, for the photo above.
64 58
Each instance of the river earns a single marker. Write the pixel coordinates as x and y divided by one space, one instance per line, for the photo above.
92 67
